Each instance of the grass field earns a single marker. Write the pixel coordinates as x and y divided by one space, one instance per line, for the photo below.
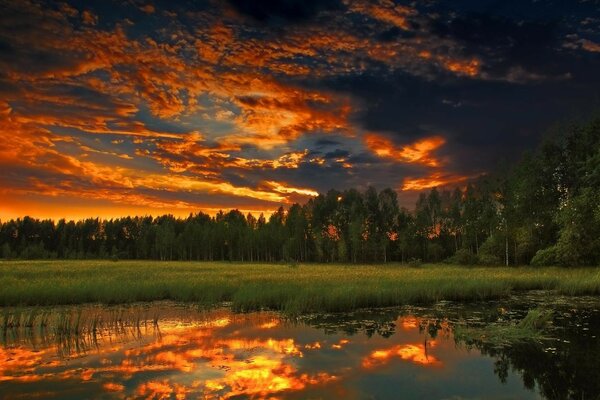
305 288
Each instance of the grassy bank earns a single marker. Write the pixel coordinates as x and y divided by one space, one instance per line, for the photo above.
311 287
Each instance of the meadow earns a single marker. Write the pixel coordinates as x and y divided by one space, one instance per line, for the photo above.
292 289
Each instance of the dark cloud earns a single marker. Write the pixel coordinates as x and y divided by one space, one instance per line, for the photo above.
209 103
326 142
505 43
337 153
394 33
284 11
485 31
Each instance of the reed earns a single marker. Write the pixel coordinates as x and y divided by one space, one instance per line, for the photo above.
247 287
506 333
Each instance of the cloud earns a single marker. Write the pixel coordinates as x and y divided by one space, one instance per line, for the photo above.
588 45
221 97
280 11
148 8
436 179
419 152
89 18
386 11
281 188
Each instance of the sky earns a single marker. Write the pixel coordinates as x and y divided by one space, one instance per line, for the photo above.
124 107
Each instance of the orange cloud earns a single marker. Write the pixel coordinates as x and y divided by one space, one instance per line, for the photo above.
195 155
274 114
588 45
30 147
463 67
89 18
108 81
436 179
281 188
459 66
419 152
148 8
386 11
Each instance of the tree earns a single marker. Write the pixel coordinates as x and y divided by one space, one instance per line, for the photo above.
543 210
389 210
373 224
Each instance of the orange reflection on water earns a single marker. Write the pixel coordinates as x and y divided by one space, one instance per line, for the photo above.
224 356
263 376
415 353
226 359
340 344
409 323
113 387
24 360
158 390
270 325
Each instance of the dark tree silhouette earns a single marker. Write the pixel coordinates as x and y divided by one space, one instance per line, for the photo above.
545 210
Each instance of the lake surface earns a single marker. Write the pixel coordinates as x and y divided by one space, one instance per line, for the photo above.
171 351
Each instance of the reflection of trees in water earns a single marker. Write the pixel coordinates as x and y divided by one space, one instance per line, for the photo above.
67 344
562 369
370 322
380 322
569 369
572 372
75 331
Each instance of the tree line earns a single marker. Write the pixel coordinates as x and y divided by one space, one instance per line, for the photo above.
544 210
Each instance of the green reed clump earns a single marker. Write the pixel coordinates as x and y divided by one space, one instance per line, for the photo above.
312 287
531 328
536 320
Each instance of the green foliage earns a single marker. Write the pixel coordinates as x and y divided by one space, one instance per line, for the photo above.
493 248
536 319
5 251
34 251
545 257
415 263
579 240
435 252
489 259
463 257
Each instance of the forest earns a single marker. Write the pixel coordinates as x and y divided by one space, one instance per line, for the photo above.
543 210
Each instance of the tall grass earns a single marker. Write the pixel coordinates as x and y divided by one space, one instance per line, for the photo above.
531 328
307 288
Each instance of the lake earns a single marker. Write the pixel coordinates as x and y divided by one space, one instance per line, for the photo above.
167 350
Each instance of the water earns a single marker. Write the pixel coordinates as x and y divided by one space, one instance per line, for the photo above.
165 350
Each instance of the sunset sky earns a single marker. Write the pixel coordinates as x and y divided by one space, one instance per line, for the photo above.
113 108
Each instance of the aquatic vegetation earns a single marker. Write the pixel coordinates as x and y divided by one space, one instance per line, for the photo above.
505 333
536 320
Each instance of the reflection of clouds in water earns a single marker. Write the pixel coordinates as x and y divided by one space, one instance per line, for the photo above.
409 323
416 353
246 366
200 358
225 355
340 344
